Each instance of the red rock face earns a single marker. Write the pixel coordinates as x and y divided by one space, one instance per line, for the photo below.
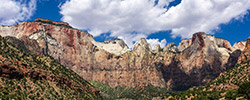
198 38
201 59
49 21
199 63
245 54
73 48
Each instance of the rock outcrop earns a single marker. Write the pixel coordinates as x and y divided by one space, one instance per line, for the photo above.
25 44
171 47
245 54
157 48
51 22
184 44
114 46
239 46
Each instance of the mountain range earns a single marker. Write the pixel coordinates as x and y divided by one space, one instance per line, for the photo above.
194 62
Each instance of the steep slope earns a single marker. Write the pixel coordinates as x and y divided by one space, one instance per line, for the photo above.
26 76
184 44
199 63
245 54
240 45
111 62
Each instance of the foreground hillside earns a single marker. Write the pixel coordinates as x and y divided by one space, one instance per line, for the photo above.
25 76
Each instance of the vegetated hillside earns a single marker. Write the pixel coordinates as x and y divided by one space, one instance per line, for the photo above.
122 92
26 76
232 84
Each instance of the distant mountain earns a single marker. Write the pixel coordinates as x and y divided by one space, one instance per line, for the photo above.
27 76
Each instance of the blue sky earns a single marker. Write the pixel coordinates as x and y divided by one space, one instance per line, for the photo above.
160 21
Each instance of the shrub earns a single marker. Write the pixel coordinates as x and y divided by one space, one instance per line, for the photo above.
244 89
231 94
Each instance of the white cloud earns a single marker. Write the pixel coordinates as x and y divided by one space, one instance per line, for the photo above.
154 42
12 11
133 19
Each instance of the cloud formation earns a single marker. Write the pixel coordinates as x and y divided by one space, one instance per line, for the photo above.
154 42
12 11
134 19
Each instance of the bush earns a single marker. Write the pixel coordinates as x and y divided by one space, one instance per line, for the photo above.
244 89
231 94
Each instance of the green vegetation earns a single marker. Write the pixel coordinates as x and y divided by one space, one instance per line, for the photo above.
26 76
242 92
145 93
194 95
244 89
232 84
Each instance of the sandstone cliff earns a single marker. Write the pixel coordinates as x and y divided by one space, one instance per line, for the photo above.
239 46
199 63
111 62
195 61
245 54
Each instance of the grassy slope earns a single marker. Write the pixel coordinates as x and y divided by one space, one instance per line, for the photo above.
44 78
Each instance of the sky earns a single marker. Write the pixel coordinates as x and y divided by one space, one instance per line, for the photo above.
159 21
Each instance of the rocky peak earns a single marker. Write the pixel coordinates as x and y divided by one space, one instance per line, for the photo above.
170 47
142 47
142 44
51 22
119 42
245 54
157 48
200 40
200 62
202 45
248 44
239 46
222 43
184 44
203 52
114 46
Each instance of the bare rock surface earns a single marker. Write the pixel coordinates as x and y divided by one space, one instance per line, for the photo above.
111 63
245 54
239 46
